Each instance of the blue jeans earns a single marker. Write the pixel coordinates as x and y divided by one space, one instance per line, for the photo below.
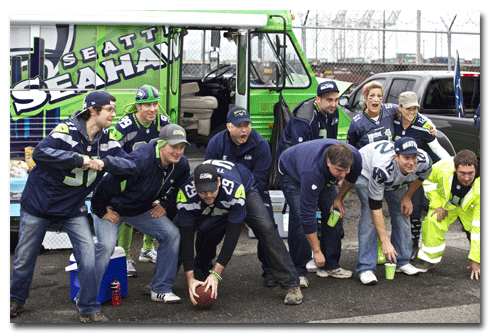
31 234
160 228
401 237
299 247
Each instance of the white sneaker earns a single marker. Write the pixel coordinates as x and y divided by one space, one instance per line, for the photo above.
303 282
130 268
407 269
311 267
166 297
322 273
338 273
148 256
368 277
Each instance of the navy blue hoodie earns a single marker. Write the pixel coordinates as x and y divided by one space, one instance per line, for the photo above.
134 195
306 164
308 123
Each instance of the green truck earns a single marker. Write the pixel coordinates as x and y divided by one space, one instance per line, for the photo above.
202 62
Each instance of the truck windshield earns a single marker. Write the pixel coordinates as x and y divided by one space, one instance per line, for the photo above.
267 62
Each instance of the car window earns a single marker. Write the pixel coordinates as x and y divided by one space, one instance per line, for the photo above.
471 91
440 93
359 98
397 87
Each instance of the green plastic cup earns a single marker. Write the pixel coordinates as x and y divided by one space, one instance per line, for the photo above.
390 271
333 218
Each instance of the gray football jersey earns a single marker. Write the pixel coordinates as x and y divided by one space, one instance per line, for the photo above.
381 169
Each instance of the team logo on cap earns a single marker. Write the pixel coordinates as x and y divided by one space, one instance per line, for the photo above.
409 144
240 113
178 132
205 176
327 86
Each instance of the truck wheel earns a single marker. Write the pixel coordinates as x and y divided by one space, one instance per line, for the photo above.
445 143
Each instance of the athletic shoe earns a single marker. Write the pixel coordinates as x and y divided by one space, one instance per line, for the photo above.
338 273
93 318
131 270
407 269
423 266
303 282
270 281
294 296
147 256
311 267
166 297
368 278
15 309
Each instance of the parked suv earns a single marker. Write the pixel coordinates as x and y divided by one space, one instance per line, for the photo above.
435 91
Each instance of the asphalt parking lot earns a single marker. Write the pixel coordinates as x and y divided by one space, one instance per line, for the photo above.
445 295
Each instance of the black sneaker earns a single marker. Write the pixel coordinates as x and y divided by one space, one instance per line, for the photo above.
422 265
415 251
270 281
93 318
15 309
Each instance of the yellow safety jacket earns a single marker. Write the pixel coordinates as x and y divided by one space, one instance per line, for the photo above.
439 194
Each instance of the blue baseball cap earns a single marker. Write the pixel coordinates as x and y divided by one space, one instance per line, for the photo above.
325 87
97 98
406 146
238 115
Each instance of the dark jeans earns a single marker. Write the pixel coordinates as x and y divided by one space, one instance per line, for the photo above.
212 231
299 247
330 241
418 203
260 251
276 253
208 235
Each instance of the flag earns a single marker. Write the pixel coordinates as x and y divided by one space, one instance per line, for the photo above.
458 91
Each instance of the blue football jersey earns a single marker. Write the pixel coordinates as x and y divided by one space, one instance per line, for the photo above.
236 181
364 130
58 185
132 134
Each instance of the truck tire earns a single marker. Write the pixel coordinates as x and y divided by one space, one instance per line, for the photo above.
445 143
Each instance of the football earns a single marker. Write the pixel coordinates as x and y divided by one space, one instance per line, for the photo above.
204 301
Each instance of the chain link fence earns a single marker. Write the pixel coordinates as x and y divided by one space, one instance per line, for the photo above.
353 45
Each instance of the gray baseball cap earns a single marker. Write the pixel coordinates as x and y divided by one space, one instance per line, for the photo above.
173 134
408 99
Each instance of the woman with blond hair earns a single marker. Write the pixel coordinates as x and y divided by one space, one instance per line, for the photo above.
375 122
